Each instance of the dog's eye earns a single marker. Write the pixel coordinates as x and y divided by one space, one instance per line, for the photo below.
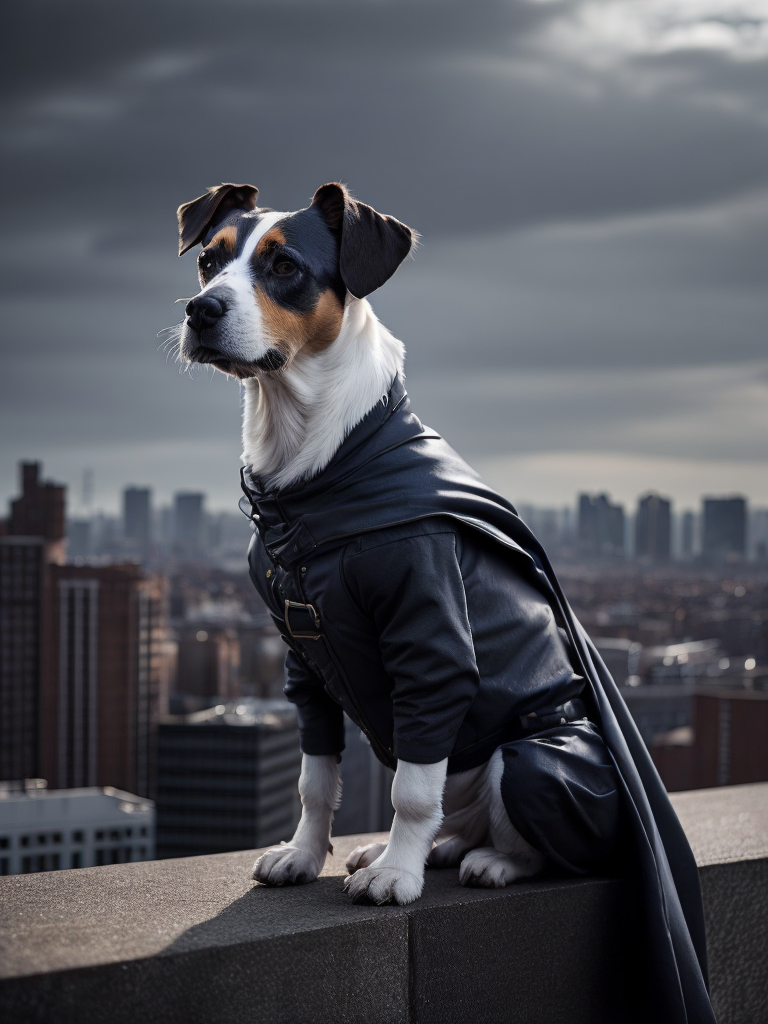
284 268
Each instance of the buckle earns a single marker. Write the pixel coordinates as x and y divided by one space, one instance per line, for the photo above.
307 626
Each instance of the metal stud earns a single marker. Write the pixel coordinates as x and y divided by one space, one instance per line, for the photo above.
269 573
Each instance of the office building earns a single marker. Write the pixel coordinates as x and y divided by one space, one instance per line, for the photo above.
39 511
22 580
101 677
687 536
653 529
600 526
724 745
44 830
725 528
228 778
189 523
137 518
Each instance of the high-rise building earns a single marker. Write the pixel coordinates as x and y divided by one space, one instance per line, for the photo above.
228 778
40 511
101 678
189 523
653 528
725 528
22 580
687 535
601 526
137 517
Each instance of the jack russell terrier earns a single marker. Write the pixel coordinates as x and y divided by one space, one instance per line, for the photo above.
410 595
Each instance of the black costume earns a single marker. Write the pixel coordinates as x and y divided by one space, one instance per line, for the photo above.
412 596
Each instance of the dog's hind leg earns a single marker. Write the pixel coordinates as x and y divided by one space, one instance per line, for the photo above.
511 857
302 859
397 876
364 856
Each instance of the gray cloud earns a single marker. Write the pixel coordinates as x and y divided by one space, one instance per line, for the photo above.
591 192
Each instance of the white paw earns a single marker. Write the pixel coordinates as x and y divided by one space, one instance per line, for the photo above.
384 885
364 856
286 865
486 868
447 854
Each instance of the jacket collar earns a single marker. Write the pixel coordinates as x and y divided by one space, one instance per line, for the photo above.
387 425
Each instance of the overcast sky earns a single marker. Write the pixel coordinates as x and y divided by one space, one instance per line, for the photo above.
588 307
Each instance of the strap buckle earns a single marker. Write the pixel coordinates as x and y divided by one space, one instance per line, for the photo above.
307 624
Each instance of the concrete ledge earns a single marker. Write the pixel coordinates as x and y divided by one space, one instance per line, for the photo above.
193 940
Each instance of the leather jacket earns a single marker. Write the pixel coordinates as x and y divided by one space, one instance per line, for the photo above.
372 571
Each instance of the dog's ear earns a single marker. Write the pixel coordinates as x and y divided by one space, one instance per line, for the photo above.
196 217
371 246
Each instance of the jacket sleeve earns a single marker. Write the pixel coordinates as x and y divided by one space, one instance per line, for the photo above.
321 719
413 591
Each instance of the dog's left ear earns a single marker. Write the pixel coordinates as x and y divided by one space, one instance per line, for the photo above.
372 246
196 217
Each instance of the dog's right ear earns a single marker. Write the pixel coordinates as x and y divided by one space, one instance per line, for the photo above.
371 246
196 217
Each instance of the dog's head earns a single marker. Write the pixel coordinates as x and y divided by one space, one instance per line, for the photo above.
274 285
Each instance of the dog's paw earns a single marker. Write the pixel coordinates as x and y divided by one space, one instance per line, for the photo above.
286 865
448 854
364 856
486 868
384 885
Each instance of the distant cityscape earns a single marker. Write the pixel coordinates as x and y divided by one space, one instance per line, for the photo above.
141 707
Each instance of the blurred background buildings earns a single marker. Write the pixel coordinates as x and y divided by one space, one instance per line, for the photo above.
135 655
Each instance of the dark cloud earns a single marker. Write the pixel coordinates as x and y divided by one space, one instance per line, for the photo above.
585 206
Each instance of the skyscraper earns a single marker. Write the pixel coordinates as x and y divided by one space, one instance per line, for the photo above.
39 512
653 531
188 523
137 517
34 537
725 528
101 677
601 526
22 578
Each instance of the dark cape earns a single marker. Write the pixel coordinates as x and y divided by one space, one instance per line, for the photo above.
392 470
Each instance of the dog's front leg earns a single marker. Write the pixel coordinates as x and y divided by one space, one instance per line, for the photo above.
302 859
397 876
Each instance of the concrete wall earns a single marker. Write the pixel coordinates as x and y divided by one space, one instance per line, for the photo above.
194 941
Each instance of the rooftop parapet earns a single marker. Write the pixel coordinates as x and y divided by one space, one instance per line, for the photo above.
194 941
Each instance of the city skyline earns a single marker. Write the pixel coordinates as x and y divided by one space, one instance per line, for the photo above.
110 502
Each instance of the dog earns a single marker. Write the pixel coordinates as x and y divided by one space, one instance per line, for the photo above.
412 597
283 307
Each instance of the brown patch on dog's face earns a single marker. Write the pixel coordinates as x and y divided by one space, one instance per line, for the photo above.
270 240
293 332
225 239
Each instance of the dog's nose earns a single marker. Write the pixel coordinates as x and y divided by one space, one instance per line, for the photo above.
203 311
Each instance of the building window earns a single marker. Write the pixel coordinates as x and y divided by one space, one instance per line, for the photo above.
5 865
114 834
42 840
143 832
3 842
24 841
77 859
100 835
77 837
55 861
26 865
100 857
56 837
